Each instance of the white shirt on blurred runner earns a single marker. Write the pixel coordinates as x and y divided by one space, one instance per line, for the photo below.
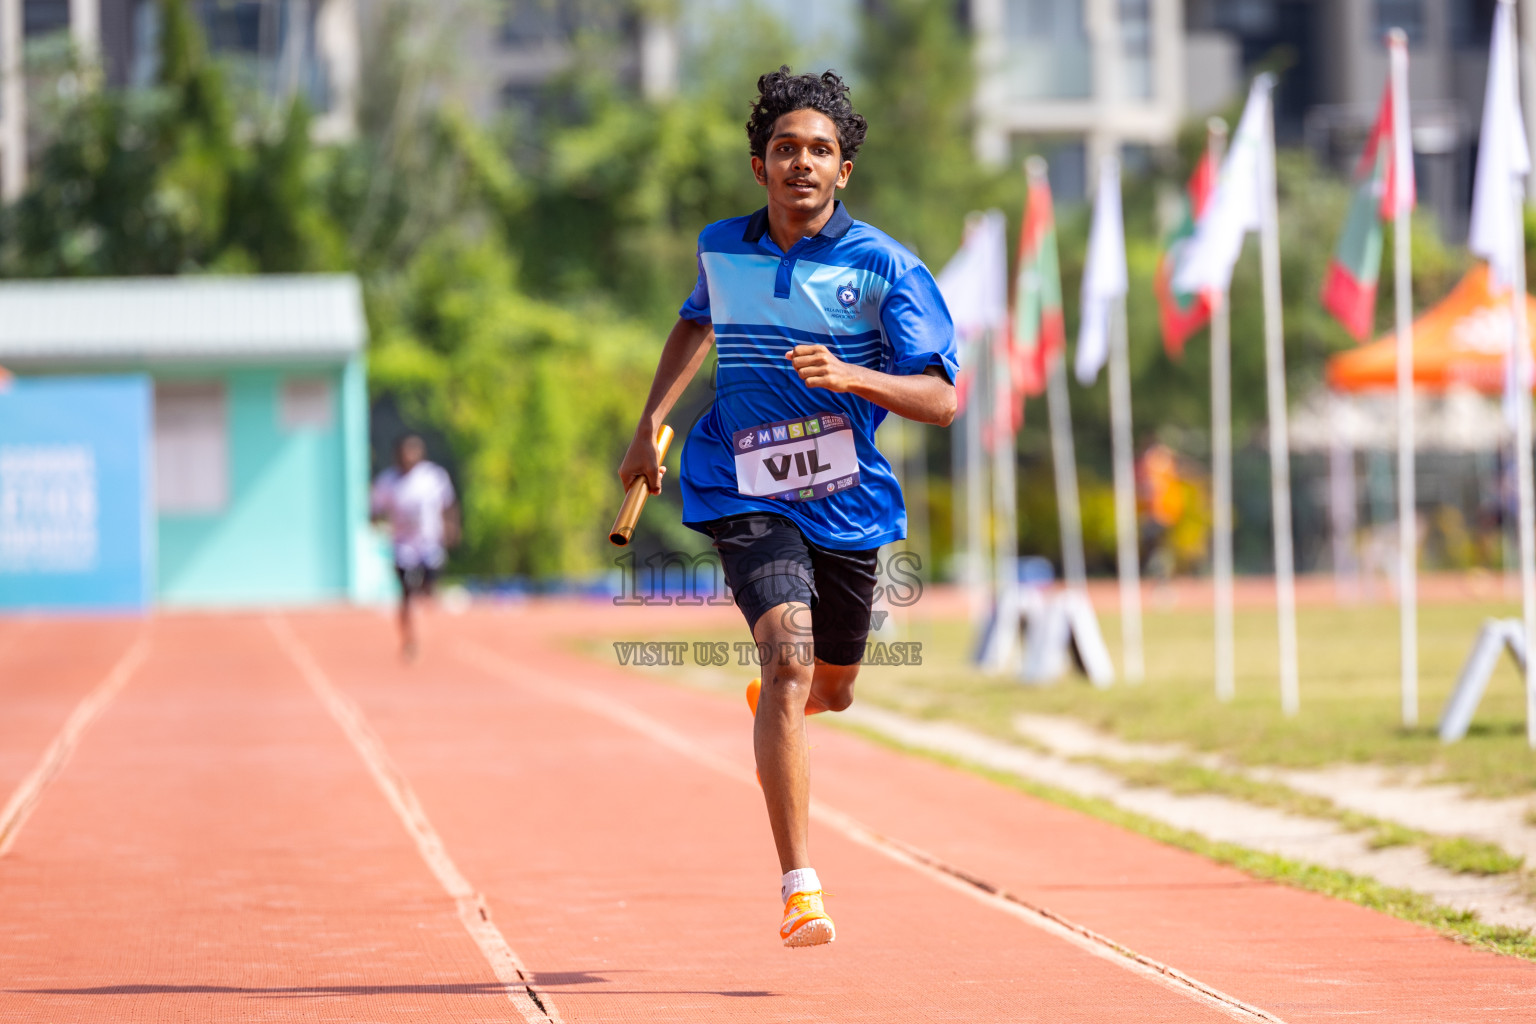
414 502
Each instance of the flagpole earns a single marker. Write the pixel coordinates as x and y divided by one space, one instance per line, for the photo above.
1279 443
975 470
959 493
915 440
1059 411
1526 68
1407 505
1064 455
974 285
1498 234
1522 354
1125 496
1221 459
1005 522
964 515
1521 351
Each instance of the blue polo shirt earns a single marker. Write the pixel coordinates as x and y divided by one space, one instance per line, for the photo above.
769 443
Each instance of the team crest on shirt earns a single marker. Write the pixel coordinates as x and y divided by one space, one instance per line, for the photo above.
848 295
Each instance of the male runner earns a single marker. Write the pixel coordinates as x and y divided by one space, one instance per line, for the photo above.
416 497
821 324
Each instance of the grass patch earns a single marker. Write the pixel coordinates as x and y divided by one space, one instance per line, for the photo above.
1460 854
1387 834
1187 777
1472 856
1349 691
1461 925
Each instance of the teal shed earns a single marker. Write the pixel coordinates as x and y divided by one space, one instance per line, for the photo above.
260 424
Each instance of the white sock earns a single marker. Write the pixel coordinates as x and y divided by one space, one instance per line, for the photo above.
798 880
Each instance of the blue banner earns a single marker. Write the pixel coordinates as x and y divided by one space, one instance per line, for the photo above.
76 526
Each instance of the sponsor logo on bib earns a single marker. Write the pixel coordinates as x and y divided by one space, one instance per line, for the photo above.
797 460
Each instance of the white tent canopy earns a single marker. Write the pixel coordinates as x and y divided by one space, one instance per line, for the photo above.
1457 420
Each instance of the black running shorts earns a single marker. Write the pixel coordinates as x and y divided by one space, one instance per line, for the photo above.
768 562
417 581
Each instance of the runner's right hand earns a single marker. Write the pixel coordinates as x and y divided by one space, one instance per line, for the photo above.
642 459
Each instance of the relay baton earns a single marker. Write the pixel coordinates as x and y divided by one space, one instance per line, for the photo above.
634 498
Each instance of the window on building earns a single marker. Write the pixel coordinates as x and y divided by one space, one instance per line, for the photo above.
1407 15
241 26
532 23
1066 159
145 62
1472 24
40 17
1136 159
306 403
526 101
1136 45
1049 55
1246 17
1046 20
191 448
266 45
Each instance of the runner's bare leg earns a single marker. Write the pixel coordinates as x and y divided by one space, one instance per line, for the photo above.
831 687
407 625
792 685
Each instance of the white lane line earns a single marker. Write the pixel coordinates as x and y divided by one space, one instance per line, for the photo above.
901 852
30 790
534 1006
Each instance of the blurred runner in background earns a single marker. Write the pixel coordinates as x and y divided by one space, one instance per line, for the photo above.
1174 512
417 499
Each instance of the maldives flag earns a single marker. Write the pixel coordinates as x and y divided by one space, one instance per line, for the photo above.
1182 315
1039 331
1349 290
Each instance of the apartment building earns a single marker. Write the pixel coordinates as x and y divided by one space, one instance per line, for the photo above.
1447 71
1334 65
1079 80
1075 77
281 47
650 47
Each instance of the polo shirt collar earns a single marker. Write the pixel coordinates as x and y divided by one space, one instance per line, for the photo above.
836 227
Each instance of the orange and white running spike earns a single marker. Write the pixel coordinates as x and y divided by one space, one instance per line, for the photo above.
806 922
754 688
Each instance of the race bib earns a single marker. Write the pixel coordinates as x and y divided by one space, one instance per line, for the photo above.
797 460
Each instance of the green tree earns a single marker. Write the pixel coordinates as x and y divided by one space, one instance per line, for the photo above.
537 401
154 181
917 175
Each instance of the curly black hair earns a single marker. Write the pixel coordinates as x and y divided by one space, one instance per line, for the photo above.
781 92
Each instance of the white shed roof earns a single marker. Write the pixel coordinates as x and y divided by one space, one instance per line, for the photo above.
175 319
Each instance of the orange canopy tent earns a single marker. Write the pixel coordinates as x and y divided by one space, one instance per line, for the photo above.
1460 341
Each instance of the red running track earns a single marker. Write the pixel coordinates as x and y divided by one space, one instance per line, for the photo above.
274 819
